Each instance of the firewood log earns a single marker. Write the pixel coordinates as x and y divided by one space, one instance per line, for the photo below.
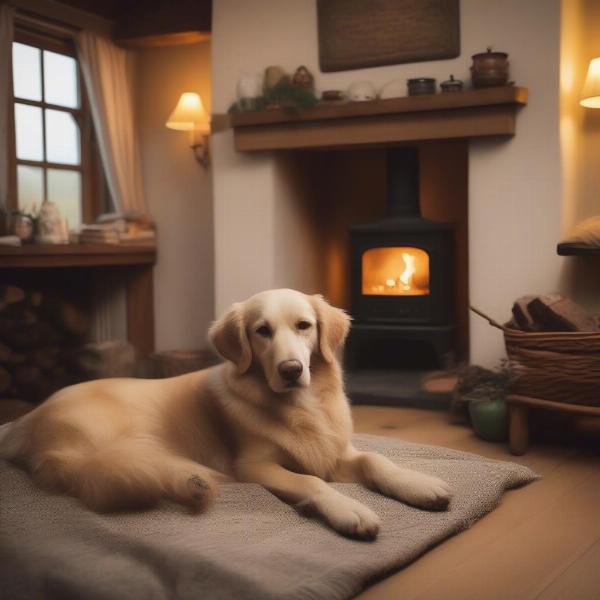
31 384
556 313
6 327
22 339
46 357
35 299
5 380
522 316
20 314
10 294
9 356
48 334
74 320
27 374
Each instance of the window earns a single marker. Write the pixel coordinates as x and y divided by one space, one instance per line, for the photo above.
55 158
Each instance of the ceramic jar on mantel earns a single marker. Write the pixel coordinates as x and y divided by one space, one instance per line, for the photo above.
420 86
490 69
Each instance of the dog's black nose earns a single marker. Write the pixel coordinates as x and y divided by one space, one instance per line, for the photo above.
290 370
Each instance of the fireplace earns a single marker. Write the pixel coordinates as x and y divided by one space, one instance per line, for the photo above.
401 280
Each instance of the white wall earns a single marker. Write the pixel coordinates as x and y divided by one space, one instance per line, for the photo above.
515 185
580 127
179 195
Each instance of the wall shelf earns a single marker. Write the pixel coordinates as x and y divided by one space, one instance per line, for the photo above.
75 255
575 249
472 113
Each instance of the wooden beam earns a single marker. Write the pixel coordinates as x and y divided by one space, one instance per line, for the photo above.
474 113
62 14
380 129
160 22
471 98
164 40
75 255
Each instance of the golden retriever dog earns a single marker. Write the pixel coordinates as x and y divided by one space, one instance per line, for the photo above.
274 413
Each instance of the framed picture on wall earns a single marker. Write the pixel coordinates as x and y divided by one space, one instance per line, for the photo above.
355 34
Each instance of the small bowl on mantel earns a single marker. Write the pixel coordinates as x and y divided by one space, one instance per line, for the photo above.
420 86
451 85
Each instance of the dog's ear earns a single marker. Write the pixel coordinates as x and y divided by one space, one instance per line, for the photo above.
228 336
333 324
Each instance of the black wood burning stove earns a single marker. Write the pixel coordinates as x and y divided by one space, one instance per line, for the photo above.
401 279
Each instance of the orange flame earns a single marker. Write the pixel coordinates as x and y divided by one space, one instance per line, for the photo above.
409 270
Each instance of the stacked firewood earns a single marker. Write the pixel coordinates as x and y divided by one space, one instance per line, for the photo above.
552 313
41 335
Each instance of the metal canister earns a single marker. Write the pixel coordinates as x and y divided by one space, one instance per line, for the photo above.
452 85
420 86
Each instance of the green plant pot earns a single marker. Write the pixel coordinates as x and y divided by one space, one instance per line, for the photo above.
489 418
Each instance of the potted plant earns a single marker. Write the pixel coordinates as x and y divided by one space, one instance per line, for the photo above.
486 399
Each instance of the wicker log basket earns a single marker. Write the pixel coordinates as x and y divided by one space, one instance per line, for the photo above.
560 366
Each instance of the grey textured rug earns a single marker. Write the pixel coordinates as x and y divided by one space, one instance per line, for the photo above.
250 546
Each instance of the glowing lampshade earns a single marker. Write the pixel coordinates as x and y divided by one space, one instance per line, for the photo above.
590 96
189 114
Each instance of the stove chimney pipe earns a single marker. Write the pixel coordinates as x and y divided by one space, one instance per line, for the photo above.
403 182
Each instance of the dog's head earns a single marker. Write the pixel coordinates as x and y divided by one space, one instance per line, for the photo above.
280 331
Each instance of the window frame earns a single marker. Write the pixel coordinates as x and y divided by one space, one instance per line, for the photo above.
92 180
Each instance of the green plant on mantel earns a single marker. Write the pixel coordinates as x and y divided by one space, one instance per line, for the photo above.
284 95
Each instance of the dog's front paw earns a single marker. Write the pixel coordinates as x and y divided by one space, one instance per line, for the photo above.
346 516
420 490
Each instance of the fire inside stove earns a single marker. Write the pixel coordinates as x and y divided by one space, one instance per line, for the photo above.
395 271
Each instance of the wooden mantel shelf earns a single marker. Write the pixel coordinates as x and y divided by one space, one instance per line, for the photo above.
473 113
75 255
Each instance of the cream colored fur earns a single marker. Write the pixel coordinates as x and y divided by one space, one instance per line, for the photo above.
127 443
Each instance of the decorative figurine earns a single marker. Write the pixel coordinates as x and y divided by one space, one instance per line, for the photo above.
50 225
303 78
273 76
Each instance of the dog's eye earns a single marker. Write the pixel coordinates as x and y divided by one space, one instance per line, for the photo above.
303 325
264 331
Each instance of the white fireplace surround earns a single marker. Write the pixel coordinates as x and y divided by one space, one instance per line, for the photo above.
515 184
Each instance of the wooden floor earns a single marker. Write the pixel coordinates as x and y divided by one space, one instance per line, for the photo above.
542 542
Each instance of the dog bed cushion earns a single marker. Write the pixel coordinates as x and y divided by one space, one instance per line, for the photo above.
250 545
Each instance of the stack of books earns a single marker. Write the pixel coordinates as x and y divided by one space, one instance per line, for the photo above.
98 234
116 232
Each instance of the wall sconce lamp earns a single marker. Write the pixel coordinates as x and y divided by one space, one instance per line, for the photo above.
189 115
590 95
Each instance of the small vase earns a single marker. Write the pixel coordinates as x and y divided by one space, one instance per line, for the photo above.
489 418
50 225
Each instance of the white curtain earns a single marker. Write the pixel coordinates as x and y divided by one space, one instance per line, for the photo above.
6 39
106 71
